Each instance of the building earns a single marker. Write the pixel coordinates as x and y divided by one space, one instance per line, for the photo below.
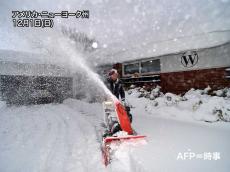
26 79
179 72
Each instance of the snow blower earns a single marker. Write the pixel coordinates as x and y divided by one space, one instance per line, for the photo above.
115 116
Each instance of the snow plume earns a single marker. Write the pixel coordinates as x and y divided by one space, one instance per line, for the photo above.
60 50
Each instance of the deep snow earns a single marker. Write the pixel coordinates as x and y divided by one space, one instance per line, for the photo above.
48 138
66 137
172 130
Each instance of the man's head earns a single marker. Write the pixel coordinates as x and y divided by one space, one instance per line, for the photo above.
113 74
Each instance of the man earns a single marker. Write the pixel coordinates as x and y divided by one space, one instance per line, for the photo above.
117 89
115 85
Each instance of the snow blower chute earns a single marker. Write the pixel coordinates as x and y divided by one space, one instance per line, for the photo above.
115 116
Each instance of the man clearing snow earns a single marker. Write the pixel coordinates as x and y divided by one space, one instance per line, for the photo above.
117 89
115 86
117 119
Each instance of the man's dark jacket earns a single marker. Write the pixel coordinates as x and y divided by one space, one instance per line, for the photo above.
116 88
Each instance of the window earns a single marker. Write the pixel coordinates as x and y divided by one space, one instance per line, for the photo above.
150 66
131 68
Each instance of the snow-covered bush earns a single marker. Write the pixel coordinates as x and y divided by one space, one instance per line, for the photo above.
134 92
156 93
195 98
219 93
213 109
223 113
150 106
199 104
172 99
132 86
207 90
206 107
142 92
197 92
222 92
196 105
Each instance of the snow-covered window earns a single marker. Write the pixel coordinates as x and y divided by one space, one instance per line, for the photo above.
131 68
150 66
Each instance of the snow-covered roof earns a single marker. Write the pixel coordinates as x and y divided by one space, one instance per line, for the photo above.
22 57
26 63
165 47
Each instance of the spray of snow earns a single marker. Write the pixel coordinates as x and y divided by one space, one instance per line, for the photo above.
62 51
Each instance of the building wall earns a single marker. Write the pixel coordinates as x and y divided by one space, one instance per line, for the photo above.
182 81
21 89
208 69
28 83
214 57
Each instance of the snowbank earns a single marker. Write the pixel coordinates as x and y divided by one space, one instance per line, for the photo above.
194 105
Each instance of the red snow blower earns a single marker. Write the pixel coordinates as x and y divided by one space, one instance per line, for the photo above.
115 113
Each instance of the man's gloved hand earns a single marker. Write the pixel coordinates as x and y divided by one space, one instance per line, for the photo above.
123 102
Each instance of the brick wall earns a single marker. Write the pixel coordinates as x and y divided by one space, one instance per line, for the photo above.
180 82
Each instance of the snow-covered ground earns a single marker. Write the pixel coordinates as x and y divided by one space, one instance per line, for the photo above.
172 130
66 137
49 138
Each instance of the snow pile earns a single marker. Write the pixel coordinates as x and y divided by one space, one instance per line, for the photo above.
207 107
198 104
223 92
123 158
142 92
